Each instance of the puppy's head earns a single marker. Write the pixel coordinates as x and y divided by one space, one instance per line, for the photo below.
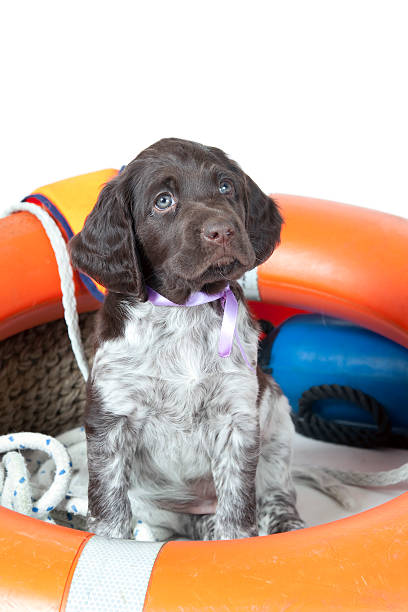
181 217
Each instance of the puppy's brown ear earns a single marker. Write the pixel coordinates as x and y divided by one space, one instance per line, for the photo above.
105 248
264 221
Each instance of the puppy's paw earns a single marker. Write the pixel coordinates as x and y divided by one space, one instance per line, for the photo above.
281 524
234 532
277 512
109 530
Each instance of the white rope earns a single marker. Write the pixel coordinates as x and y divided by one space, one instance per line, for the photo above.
53 488
66 276
327 480
15 488
317 478
371 479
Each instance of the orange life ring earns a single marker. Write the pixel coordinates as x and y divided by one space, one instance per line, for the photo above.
358 563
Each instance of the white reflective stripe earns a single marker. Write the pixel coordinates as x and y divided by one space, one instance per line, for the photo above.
249 283
112 575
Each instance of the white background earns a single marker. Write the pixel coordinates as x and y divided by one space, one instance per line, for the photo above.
310 97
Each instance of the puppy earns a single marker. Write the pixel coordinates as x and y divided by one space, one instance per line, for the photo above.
194 443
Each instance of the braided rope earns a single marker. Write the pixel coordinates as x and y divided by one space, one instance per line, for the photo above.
41 387
66 277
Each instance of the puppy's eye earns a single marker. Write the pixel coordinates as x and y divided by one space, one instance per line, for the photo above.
164 201
226 187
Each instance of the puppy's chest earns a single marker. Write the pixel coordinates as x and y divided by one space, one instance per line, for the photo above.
166 368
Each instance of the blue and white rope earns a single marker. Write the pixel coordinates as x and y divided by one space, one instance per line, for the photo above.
15 488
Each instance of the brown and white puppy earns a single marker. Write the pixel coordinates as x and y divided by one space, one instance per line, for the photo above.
192 443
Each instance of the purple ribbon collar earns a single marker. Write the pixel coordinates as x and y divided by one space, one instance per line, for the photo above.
229 320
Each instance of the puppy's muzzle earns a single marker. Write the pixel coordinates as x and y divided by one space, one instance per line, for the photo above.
219 233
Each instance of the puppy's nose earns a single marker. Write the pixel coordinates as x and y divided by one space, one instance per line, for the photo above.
218 233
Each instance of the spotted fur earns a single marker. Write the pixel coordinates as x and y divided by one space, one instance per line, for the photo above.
179 427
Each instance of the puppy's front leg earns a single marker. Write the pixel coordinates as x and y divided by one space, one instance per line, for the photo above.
109 462
234 462
276 495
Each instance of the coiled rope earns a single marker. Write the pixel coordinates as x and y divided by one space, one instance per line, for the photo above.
310 424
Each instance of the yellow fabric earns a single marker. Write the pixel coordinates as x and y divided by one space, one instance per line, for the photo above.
75 197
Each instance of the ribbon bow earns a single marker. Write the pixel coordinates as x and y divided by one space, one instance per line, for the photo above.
229 320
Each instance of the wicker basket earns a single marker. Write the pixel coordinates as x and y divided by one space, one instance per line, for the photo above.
41 387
